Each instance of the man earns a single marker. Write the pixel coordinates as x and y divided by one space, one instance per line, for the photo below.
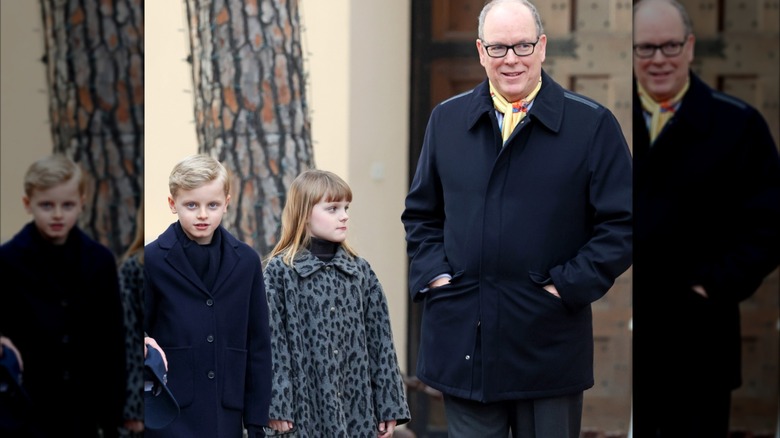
518 218
707 212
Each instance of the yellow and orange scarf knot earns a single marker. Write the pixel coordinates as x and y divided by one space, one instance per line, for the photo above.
660 112
513 112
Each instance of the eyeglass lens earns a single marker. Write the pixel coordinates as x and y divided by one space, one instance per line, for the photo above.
500 50
667 49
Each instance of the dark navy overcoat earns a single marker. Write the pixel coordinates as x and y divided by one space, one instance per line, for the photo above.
552 206
707 212
217 341
64 313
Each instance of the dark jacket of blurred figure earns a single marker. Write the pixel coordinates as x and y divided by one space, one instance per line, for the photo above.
706 212
63 312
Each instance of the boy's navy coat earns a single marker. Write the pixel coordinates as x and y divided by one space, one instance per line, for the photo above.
64 314
552 206
217 342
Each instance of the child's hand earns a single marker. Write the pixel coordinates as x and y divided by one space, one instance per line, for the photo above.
4 341
152 343
386 429
136 426
281 426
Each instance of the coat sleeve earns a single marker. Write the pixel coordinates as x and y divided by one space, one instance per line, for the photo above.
736 268
607 254
423 219
282 389
259 372
386 380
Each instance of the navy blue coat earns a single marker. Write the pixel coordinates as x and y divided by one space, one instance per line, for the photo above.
63 312
553 206
707 211
217 341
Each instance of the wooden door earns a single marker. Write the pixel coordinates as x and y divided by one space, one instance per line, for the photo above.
588 51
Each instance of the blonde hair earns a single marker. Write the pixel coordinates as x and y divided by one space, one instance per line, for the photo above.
52 171
137 245
195 171
307 189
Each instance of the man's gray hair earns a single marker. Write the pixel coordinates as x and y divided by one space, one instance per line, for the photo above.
686 19
489 5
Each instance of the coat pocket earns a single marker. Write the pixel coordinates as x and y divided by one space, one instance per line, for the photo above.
233 378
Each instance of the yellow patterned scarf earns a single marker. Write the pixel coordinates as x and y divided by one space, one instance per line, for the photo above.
660 112
513 111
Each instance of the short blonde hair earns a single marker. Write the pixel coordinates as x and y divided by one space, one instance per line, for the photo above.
195 171
52 171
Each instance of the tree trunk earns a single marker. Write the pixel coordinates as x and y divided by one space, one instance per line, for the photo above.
94 62
250 105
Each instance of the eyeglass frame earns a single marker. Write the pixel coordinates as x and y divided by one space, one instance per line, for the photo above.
506 47
657 47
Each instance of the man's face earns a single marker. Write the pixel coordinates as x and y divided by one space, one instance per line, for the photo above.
55 210
662 76
514 77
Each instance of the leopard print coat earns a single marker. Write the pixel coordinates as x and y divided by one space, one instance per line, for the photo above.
131 279
335 368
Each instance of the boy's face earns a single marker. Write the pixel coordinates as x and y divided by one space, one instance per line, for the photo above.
200 210
55 210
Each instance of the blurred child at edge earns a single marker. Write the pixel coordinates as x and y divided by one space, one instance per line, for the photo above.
63 310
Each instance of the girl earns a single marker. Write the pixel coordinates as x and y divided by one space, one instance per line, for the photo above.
335 371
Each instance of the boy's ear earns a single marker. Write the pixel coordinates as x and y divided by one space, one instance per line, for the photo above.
26 202
227 201
172 205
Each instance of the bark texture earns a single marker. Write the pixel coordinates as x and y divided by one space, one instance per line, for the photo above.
250 105
94 67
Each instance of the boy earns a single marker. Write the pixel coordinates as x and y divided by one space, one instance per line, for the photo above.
205 305
63 311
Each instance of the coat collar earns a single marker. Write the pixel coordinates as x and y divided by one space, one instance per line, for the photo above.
547 108
178 259
695 111
306 263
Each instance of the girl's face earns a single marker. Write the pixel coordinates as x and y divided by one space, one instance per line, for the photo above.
201 210
328 221
55 210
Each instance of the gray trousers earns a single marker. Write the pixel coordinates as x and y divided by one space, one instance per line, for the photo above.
555 417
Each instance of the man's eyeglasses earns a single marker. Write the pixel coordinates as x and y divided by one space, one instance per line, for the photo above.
500 50
672 48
